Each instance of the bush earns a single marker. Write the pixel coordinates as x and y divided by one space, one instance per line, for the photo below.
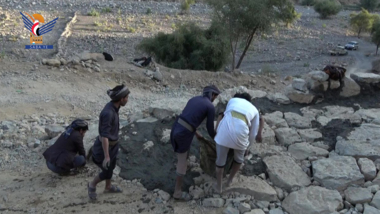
185 5
189 47
308 2
93 12
327 8
369 5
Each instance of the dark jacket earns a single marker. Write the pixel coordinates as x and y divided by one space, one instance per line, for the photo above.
196 110
63 151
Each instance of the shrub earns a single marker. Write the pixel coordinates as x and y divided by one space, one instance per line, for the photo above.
93 12
106 10
369 5
185 5
327 8
189 47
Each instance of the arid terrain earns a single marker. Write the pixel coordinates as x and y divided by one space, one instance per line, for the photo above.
34 96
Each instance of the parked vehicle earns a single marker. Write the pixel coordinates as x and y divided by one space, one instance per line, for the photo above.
353 45
338 50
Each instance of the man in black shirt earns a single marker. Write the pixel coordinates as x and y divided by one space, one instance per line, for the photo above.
106 146
184 129
62 156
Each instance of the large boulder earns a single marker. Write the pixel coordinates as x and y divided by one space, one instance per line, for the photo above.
337 172
368 168
268 135
299 84
313 200
263 150
350 88
317 86
297 121
285 173
226 95
367 78
311 112
52 62
370 209
298 96
376 200
337 111
287 136
302 151
368 115
309 135
363 141
253 186
357 195
278 98
318 75
275 120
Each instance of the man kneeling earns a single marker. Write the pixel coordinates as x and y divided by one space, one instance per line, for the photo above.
62 157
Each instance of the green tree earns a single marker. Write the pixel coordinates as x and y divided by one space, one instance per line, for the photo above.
375 22
189 47
369 5
327 8
289 14
243 19
361 22
376 36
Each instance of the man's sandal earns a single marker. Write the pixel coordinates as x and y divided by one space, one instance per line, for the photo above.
184 197
113 189
91 192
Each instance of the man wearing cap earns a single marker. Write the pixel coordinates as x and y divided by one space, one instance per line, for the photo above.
240 127
106 146
184 129
62 156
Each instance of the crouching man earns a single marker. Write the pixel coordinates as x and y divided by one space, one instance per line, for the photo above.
62 156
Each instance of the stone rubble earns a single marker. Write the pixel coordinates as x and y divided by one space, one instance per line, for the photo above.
300 174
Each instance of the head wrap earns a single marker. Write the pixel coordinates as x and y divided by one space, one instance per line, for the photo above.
209 90
117 95
78 123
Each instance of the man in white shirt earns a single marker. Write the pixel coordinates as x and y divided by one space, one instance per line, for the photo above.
240 127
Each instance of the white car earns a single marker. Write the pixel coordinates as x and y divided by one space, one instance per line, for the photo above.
353 45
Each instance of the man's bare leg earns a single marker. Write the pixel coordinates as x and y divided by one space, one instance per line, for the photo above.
108 184
95 182
219 176
178 187
235 168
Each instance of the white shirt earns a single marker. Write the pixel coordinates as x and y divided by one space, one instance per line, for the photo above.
233 132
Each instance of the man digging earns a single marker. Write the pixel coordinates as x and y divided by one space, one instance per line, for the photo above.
184 129
106 146
240 126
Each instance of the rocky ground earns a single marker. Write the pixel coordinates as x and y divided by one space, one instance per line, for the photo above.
325 138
